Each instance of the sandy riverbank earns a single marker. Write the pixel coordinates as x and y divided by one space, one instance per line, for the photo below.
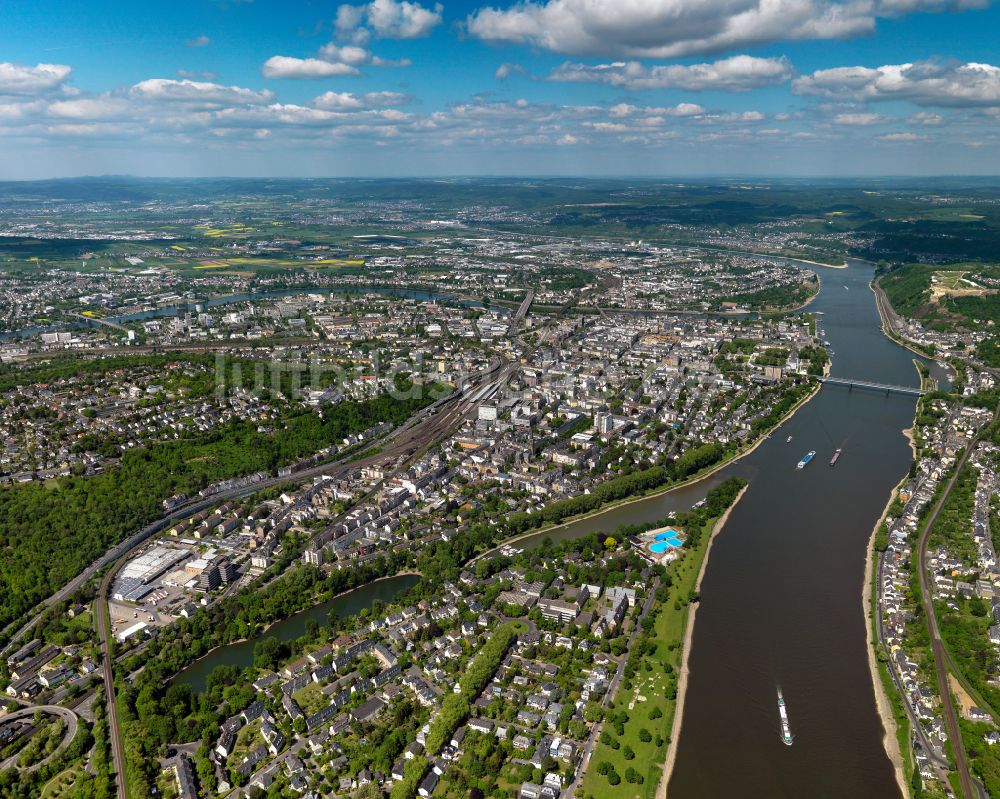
684 671
817 263
659 492
890 738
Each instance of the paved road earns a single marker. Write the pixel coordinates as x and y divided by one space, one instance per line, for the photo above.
68 716
939 761
937 646
99 321
588 749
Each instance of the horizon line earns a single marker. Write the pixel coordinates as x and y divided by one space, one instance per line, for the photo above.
519 176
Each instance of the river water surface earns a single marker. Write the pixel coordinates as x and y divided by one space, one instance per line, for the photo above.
781 597
347 604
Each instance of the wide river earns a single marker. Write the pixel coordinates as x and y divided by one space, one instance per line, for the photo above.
781 600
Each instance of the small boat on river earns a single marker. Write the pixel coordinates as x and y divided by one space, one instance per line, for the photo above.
786 729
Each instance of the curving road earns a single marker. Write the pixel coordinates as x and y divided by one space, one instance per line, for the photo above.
404 443
71 719
424 427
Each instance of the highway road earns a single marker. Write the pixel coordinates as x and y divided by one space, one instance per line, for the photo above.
68 716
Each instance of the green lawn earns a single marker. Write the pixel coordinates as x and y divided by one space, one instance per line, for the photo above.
651 693
311 698
167 784
952 280
59 784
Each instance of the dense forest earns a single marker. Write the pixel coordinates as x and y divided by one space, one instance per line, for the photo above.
50 531
908 289
776 297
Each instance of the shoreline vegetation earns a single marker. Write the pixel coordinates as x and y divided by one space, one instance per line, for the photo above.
658 492
649 686
787 257
684 670
887 698
892 738
887 330
263 631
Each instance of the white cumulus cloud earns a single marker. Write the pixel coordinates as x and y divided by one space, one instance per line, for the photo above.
386 99
901 137
680 110
89 107
197 92
347 54
356 56
857 119
925 83
671 28
389 19
24 79
281 66
505 70
739 73
338 101
346 101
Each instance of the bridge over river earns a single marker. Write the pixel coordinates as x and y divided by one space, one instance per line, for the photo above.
887 388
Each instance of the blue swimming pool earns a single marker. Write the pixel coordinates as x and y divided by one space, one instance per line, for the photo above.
664 540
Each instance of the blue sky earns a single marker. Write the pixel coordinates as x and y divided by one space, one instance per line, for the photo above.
400 87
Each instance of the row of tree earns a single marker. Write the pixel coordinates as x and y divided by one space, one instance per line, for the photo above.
456 707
